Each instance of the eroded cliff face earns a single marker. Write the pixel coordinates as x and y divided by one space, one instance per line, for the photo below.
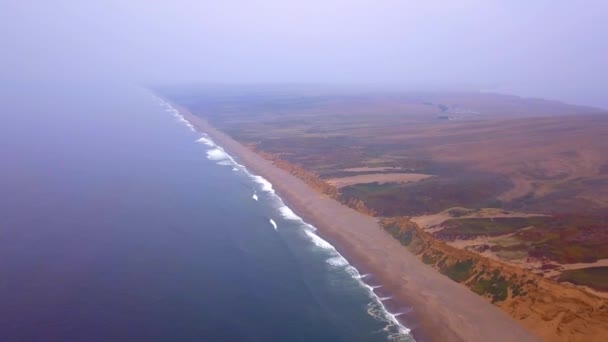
308 177
555 312
315 182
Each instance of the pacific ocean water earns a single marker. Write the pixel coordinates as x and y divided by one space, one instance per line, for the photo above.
118 222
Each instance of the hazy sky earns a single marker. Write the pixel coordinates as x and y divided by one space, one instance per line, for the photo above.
555 49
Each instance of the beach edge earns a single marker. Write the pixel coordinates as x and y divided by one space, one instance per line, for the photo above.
462 317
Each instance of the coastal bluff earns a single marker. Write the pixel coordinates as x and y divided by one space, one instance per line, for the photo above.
442 309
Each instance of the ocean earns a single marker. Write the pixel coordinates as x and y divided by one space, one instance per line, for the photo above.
120 222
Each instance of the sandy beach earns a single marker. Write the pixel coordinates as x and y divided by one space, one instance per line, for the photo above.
442 309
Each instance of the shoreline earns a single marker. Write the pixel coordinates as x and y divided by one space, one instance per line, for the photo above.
442 310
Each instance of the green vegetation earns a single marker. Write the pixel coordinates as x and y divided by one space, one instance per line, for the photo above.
594 277
568 238
430 195
459 271
561 238
429 259
468 228
497 287
339 173
458 212
516 290
403 236
329 133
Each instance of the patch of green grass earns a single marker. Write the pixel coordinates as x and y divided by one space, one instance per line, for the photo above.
429 259
404 236
516 290
458 212
497 287
473 227
430 195
568 238
459 271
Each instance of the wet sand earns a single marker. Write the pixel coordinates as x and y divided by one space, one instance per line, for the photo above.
442 309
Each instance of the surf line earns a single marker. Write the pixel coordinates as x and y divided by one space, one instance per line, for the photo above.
218 154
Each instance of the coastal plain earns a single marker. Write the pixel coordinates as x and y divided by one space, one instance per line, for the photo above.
454 200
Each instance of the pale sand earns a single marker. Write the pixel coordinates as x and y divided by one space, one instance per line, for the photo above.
598 263
380 178
431 220
372 169
443 310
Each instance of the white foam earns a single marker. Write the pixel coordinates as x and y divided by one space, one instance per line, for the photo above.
377 309
183 120
309 227
400 333
254 196
382 313
405 312
318 241
274 224
288 214
180 118
353 272
216 154
266 185
206 141
337 261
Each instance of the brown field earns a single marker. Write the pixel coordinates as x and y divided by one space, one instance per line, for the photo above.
529 154
380 178
520 181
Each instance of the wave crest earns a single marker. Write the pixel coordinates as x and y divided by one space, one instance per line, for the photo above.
288 214
337 261
217 154
375 308
266 185
318 241
274 224
206 141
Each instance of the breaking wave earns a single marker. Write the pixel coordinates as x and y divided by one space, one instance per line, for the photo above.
217 154
375 308
274 224
337 261
266 185
177 115
206 141
395 330
318 241
288 214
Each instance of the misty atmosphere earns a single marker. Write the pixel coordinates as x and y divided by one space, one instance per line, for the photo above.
548 49
392 170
